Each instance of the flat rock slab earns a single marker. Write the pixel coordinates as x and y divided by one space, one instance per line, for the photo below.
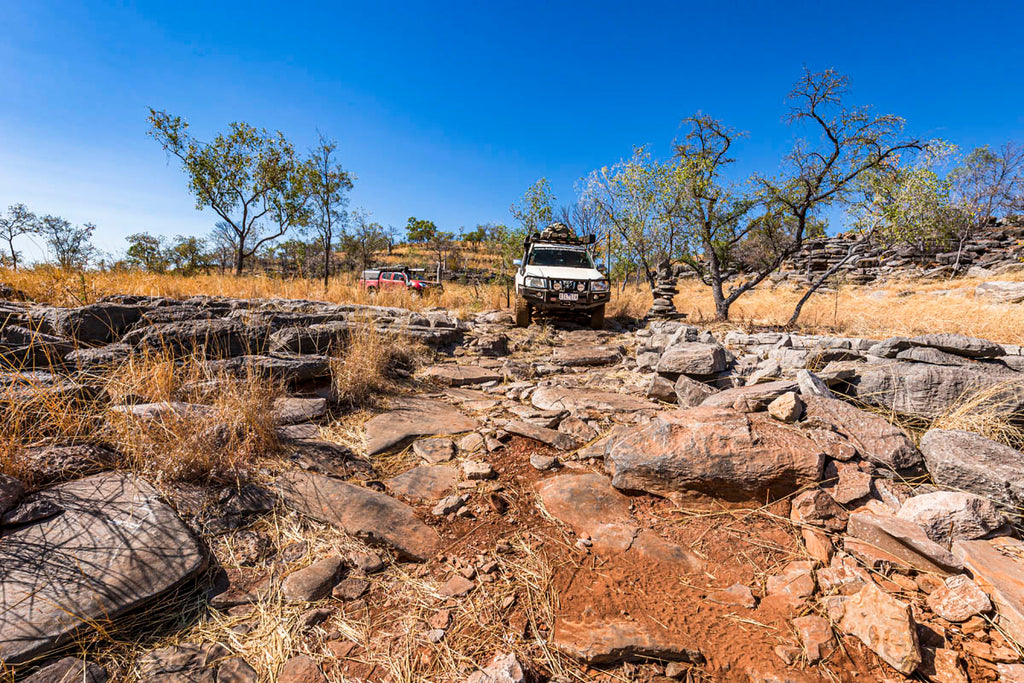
116 546
592 507
426 482
609 642
902 542
361 512
583 400
411 418
754 397
550 437
873 436
997 565
581 356
715 451
454 375
292 410
970 462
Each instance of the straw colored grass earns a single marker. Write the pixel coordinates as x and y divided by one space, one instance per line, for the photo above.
988 411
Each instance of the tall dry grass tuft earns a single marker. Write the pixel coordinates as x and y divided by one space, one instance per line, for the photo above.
371 364
989 412
222 429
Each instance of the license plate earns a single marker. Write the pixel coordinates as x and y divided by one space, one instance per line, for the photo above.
566 296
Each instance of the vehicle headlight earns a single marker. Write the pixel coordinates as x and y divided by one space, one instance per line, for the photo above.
599 286
536 282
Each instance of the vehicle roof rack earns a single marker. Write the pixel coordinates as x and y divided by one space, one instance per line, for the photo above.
571 240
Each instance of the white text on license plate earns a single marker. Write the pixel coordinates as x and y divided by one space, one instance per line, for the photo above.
566 296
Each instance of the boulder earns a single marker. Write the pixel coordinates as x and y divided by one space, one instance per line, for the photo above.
360 512
593 508
716 451
69 670
959 344
972 463
928 391
1000 292
661 389
753 398
414 417
313 582
786 408
885 625
948 516
284 368
115 547
812 385
691 392
216 338
692 358
874 437
899 542
99 323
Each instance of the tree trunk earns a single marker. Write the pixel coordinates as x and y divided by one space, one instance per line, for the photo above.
815 286
239 259
327 260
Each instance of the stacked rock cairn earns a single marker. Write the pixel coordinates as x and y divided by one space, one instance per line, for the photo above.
665 289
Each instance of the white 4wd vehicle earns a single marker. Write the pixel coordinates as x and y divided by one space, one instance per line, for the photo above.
557 274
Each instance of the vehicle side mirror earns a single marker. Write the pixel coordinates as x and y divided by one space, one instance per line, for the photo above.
517 262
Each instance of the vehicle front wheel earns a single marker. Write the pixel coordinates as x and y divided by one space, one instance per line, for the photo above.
523 312
597 318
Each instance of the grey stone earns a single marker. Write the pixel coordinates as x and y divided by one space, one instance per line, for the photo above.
411 418
752 398
959 344
99 323
582 356
691 392
716 451
588 400
812 385
442 449
313 582
550 437
69 670
999 292
426 482
874 438
291 410
117 545
360 512
902 542
975 464
11 491
693 358
453 375
661 389
948 516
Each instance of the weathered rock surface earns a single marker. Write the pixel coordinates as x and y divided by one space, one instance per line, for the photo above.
874 438
313 582
997 566
608 642
550 437
692 358
754 397
975 464
116 546
999 292
958 599
885 625
716 451
503 668
948 516
69 670
426 482
361 512
585 400
414 417
582 356
453 375
901 542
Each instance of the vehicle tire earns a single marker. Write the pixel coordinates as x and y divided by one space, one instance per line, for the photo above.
523 312
597 318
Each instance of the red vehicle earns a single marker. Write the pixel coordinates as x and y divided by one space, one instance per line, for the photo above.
376 279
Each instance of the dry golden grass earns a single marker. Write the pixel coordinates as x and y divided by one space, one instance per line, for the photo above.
371 363
895 308
987 412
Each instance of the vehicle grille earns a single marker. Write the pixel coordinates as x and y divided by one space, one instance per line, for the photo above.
572 286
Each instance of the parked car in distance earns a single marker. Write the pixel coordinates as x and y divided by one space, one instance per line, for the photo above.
376 279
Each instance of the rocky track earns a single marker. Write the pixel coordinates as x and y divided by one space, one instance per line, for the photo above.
553 503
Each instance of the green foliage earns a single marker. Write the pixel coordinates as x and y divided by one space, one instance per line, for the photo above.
147 252
420 230
69 244
16 222
364 240
249 177
535 210
328 182
188 255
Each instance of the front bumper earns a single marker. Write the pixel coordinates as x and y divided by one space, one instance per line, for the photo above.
548 299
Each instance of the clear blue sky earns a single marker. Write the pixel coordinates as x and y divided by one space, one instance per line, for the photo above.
450 110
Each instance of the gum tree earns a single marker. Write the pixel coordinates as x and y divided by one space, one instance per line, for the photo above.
18 221
328 183
250 178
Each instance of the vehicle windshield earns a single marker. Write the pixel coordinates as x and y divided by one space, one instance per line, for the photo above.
564 258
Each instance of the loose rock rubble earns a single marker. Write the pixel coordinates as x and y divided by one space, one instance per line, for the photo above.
632 503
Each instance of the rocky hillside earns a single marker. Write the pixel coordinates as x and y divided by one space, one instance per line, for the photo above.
544 504
996 250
